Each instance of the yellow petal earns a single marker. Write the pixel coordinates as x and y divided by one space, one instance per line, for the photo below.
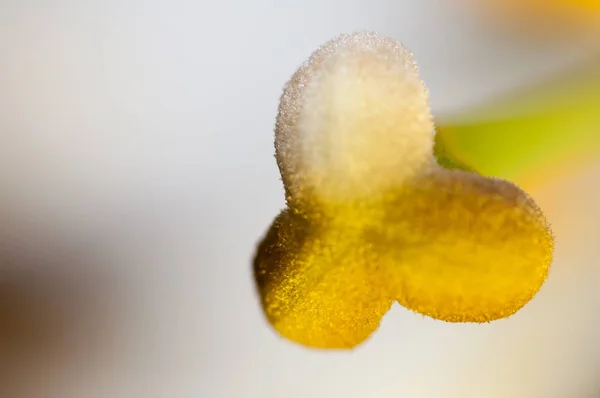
317 282
464 248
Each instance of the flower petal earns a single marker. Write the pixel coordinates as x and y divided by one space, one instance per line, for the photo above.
317 282
464 248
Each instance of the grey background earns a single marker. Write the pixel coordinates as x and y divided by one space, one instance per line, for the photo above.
150 124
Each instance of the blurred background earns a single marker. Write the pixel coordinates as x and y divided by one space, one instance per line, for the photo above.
137 175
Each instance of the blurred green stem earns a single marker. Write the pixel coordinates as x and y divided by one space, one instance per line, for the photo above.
556 122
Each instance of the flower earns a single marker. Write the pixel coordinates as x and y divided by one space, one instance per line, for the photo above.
372 218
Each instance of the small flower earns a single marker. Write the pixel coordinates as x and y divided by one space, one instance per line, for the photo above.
372 218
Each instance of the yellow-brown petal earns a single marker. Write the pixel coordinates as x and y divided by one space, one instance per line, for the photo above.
317 282
464 248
